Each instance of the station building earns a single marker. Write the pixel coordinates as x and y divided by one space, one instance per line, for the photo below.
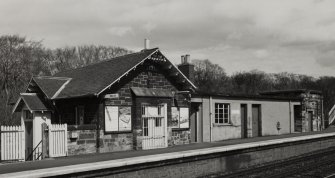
143 101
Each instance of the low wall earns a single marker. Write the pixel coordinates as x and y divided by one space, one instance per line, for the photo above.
85 142
203 162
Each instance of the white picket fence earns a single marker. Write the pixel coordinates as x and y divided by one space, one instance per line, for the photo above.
57 140
12 143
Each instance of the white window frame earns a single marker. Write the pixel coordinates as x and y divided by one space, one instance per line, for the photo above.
112 120
222 113
183 112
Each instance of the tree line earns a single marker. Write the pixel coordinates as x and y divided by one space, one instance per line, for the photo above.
20 59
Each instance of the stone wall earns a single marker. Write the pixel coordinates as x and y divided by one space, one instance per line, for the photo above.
179 137
115 142
145 76
85 141
205 165
149 76
81 142
311 103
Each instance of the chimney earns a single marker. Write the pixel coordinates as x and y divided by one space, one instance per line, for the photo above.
186 67
146 43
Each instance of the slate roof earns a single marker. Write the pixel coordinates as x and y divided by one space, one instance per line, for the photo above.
50 85
32 102
93 79
90 80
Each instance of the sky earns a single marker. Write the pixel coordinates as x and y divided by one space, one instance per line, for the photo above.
273 36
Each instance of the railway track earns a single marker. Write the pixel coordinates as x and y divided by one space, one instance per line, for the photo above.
315 164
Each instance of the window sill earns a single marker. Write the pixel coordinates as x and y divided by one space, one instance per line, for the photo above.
179 129
81 127
221 125
119 132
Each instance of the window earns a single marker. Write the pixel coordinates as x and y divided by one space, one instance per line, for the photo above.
29 115
117 118
152 111
145 127
158 122
80 115
222 113
180 117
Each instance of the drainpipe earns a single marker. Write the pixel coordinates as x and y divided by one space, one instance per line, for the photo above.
290 111
210 118
322 115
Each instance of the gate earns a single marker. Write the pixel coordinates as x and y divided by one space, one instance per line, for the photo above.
12 143
154 127
57 140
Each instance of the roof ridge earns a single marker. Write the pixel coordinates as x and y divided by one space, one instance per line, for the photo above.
107 60
52 77
30 94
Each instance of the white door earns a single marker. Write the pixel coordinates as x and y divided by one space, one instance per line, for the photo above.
154 127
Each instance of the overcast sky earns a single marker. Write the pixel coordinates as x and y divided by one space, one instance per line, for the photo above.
269 35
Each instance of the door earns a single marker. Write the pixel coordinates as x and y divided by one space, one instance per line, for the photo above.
194 117
297 118
256 120
244 125
28 124
154 127
28 138
310 121
45 140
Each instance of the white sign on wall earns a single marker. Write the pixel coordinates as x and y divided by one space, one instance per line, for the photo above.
111 118
184 118
111 96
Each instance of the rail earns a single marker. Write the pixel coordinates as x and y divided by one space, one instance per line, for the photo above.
39 154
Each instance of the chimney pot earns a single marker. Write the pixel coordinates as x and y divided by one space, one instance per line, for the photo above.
146 43
187 59
182 59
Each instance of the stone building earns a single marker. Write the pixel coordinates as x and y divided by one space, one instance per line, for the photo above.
132 102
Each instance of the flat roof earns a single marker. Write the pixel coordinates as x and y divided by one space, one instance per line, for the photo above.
295 91
246 97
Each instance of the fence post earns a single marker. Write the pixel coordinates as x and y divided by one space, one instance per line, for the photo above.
65 125
2 142
50 141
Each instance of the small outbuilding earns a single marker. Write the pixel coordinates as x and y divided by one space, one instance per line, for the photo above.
218 117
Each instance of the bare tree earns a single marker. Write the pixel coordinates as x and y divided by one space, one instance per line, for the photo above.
16 57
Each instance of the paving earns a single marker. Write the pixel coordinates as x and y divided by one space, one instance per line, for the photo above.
98 157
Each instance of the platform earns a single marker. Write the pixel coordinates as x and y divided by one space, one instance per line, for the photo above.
80 163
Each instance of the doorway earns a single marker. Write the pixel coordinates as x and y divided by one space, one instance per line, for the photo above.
194 118
310 121
154 127
244 121
256 120
28 124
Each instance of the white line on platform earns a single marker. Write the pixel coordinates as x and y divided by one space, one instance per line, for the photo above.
62 170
